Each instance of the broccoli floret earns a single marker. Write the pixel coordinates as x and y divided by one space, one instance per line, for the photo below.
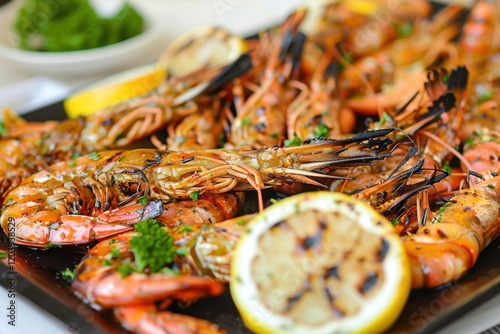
153 247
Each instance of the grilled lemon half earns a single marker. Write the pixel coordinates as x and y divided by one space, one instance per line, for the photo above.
201 47
320 262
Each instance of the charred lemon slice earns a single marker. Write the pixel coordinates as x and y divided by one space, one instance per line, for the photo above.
319 262
201 47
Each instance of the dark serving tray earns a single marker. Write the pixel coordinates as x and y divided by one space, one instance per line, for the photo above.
38 280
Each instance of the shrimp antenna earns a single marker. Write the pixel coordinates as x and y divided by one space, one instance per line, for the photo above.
473 173
424 217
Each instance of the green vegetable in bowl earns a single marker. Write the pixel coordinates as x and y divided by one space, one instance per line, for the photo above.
71 25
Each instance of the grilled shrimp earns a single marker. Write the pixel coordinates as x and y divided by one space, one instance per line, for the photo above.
101 281
146 318
31 147
140 299
446 248
260 118
102 193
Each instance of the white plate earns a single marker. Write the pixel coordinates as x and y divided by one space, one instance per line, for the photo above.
83 63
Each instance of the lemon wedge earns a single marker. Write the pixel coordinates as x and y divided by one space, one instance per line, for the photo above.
113 90
319 262
201 47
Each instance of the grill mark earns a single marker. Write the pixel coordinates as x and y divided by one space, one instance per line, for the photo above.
441 234
315 239
294 299
185 161
370 282
384 249
333 272
156 161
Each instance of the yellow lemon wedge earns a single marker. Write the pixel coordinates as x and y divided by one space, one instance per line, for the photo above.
319 262
201 47
113 90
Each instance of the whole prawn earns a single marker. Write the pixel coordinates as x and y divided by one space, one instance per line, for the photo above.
102 193
387 78
32 147
100 281
261 117
444 249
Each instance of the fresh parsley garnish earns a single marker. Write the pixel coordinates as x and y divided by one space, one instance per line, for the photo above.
3 129
296 141
94 156
68 275
143 200
194 195
153 247
321 131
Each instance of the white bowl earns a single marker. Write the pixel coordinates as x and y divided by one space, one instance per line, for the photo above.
137 50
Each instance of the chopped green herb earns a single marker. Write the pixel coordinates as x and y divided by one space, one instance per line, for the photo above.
3 129
107 262
321 131
296 141
221 141
395 221
384 119
275 135
246 121
445 78
441 209
71 163
181 251
153 247
67 275
115 253
112 241
491 186
404 29
186 229
143 200
44 150
168 271
94 156
124 269
241 222
72 25
469 141
447 167
194 195
347 57
485 96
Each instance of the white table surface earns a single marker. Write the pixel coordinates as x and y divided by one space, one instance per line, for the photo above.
245 17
